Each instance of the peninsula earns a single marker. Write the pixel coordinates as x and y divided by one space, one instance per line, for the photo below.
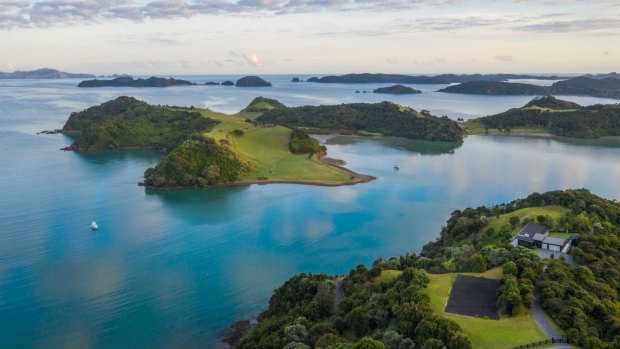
555 116
397 90
44 73
128 81
471 288
607 87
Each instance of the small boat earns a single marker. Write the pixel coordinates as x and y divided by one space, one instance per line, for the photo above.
396 167
94 226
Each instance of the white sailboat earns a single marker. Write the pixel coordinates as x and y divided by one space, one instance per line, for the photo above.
94 226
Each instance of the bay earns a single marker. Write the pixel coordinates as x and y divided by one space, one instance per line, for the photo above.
173 269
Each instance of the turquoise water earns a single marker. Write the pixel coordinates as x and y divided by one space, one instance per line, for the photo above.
172 269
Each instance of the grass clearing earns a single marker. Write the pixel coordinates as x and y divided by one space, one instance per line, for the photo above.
388 276
554 212
266 150
504 333
476 127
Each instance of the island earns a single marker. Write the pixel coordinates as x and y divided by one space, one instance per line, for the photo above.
296 80
397 90
128 81
228 83
471 288
385 118
496 88
368 78
606 87
212 83
260 144
554 116
252 81
44 73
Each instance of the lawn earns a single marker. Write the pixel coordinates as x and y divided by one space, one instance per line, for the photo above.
474 127
266 150
554 212
504 333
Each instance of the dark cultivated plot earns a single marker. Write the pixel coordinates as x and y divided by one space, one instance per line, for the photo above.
474 296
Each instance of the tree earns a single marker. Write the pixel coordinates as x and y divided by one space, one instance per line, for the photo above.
369 343
358 321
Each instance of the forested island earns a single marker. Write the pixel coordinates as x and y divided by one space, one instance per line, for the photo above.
368 78
263 143
608 87
44 73
397 90
128 81
555 116
383 118
400 302
252 81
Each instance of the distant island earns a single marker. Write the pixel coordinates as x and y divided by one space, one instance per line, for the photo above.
470 288
368 78
44 73
606 87
555 116
397 90
128 81
252 81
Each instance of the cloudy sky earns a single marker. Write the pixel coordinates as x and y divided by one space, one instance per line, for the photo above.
310 36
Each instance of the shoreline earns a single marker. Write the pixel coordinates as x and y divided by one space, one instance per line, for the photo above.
355 178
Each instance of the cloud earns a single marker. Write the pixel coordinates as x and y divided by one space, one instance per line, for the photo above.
574 26
503 58
52 12
252 59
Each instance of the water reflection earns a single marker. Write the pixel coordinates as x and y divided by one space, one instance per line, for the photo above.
414 146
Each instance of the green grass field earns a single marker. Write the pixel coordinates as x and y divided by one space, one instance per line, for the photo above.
488 334
549 109
266 150
475 127
554 212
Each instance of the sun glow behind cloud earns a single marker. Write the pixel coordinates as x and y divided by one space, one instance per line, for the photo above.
314 36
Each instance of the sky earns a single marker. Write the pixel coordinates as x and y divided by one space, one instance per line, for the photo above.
310 36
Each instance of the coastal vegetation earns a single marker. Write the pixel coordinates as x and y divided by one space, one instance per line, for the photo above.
261 104
384 118
198 162
252 81
128 81
555 116
129 123
397 90
399 302
608 87
301 143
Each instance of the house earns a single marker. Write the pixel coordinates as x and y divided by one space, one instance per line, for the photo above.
537 236
532 235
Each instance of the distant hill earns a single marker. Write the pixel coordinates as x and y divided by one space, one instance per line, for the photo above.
44 73
585 86
397 90
557 117
252 81
385 118
579 86
127 81
368 78
261 104
495 88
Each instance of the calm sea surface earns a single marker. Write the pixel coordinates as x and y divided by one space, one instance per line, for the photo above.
173 269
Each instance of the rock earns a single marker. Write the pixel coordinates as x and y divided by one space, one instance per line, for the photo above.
235 332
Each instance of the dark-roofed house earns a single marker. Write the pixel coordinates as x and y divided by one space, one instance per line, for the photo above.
537 236
532 235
